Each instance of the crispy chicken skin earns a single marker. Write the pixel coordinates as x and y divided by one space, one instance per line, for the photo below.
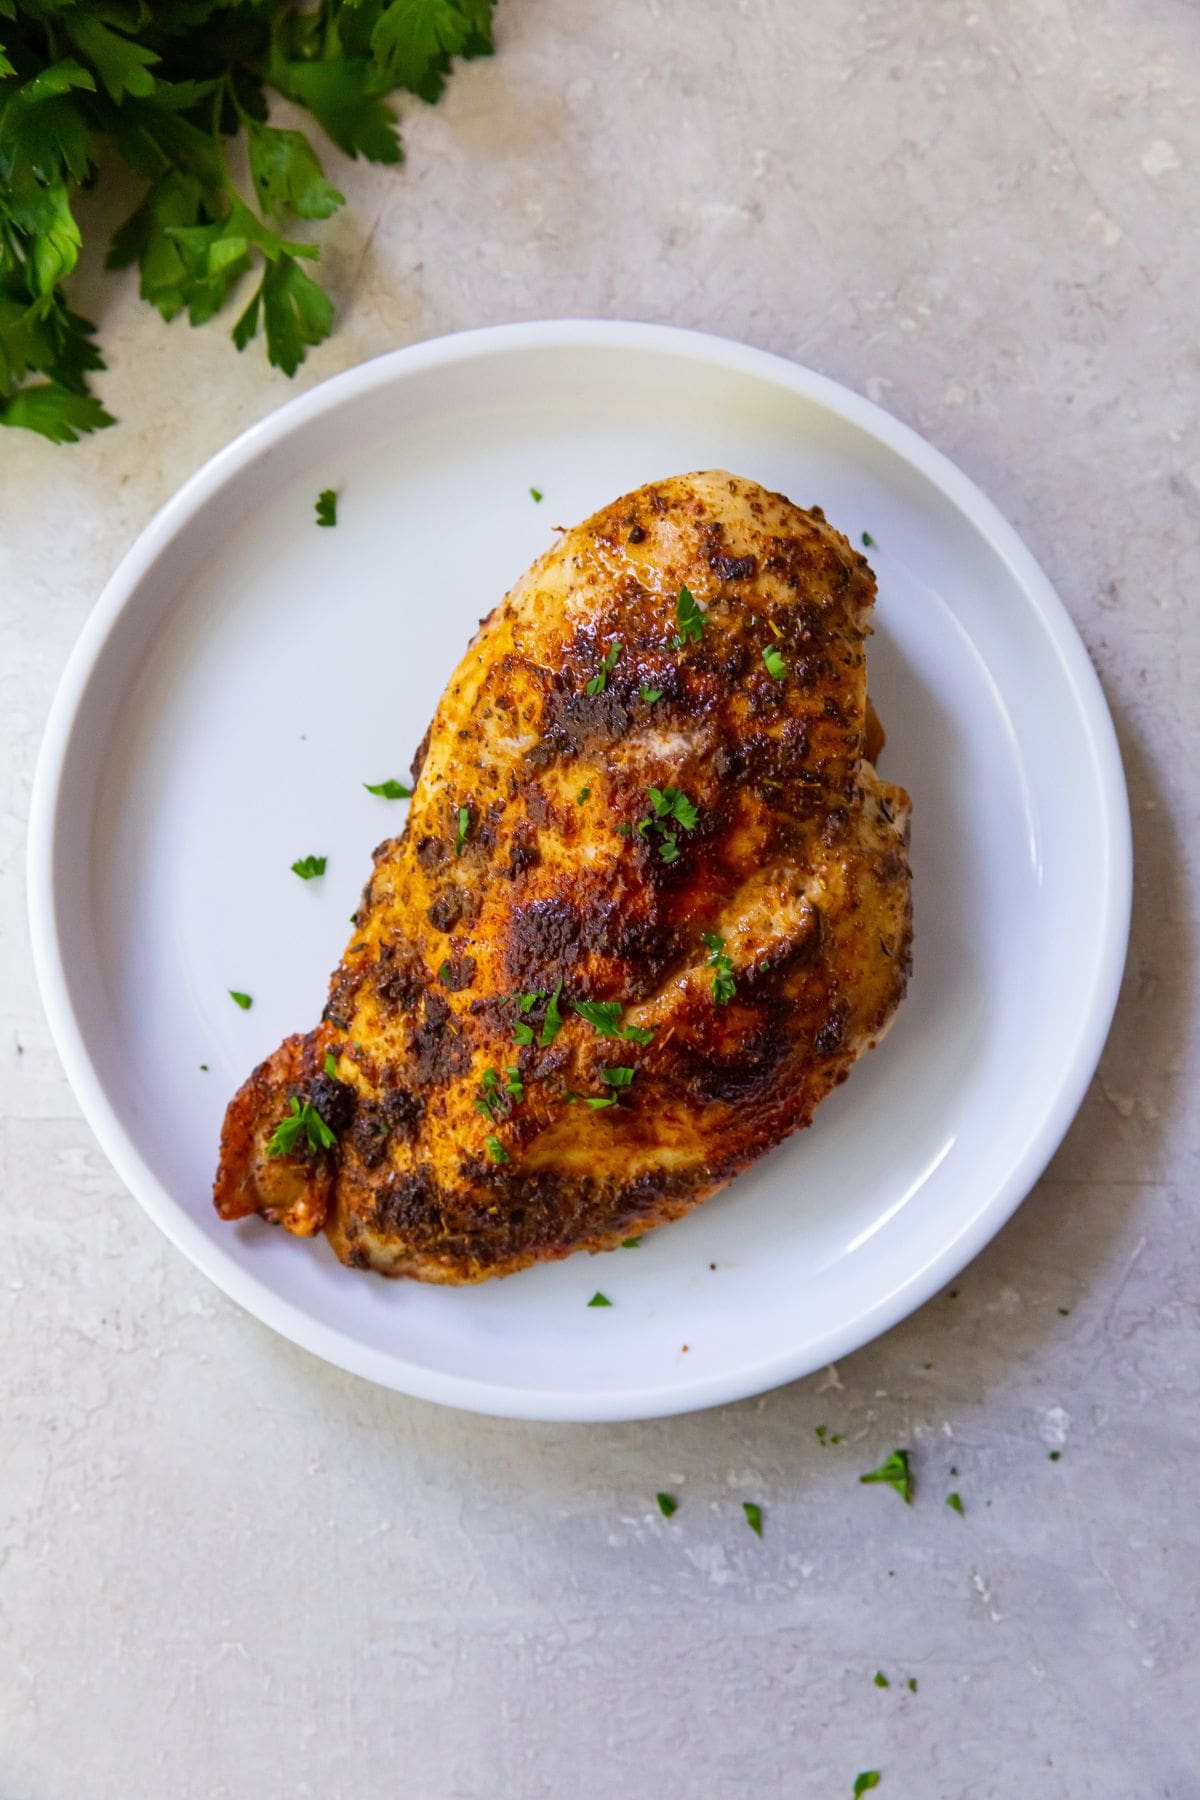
758 950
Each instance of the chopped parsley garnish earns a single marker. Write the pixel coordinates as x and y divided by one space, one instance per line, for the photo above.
599 1299
776 667
1054 1455
535 493
1064 1312
619 1078
881 1679
331 1065
594 1101
514 1085
623 830
911 1684
753 1514
204 1066
242 1000
724 986
630 1243
300 1119
870 1778
868 540
667 1504
599 681
650 695
604 1016
308 867
389 790
552 1023
955 1501
464 825
496 1150
522 1030
691 619
895 1473
583 794
669 805
327 507
489 1100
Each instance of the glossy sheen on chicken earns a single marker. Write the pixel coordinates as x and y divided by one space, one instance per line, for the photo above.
755 939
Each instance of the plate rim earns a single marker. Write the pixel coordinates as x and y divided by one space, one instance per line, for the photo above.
469 1393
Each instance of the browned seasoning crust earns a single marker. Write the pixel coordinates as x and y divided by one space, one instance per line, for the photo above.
797 860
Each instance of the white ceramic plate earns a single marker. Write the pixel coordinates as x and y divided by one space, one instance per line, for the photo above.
245 673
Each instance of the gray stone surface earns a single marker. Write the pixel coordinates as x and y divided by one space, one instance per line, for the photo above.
226 1570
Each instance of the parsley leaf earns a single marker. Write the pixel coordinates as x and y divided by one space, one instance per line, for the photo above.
327 507
514 1085
300 1121
618 1078
673 803
881 1679
583 794
724 986
599 1299
868 540
464 826
496 1150
955 1501
389 790
309 866
604 1016
86 88
599 681
630 1243
753 1514
870 1778
242 1000
650 694
895 1472
689 616
536 493
331 1067
911 1684
775 664
552 1023
667 1504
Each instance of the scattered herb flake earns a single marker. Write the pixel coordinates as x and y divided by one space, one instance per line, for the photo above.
464 826
868 540
331 1065
691 619
604 1016
955 1501
308 867
881 1679
625 831
1054 1455
776 667
552 1023
535 493
618 1078
583 794
753 1512
650 694
672 803
327 507
630 1243
204 1066
496 1150
389 790
599 1299
299 1120
724 986
514 1085
895 1473
911 1684
242 1000
596 1101
667 1504
1064 1312
599 681
870 1778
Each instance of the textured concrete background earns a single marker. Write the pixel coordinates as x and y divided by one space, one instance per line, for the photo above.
226 1570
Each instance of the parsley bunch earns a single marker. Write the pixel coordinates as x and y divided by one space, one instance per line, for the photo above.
89 88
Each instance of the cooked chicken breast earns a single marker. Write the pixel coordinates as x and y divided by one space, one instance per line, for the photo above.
651 903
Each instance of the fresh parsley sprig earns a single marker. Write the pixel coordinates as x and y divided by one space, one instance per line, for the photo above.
100 92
